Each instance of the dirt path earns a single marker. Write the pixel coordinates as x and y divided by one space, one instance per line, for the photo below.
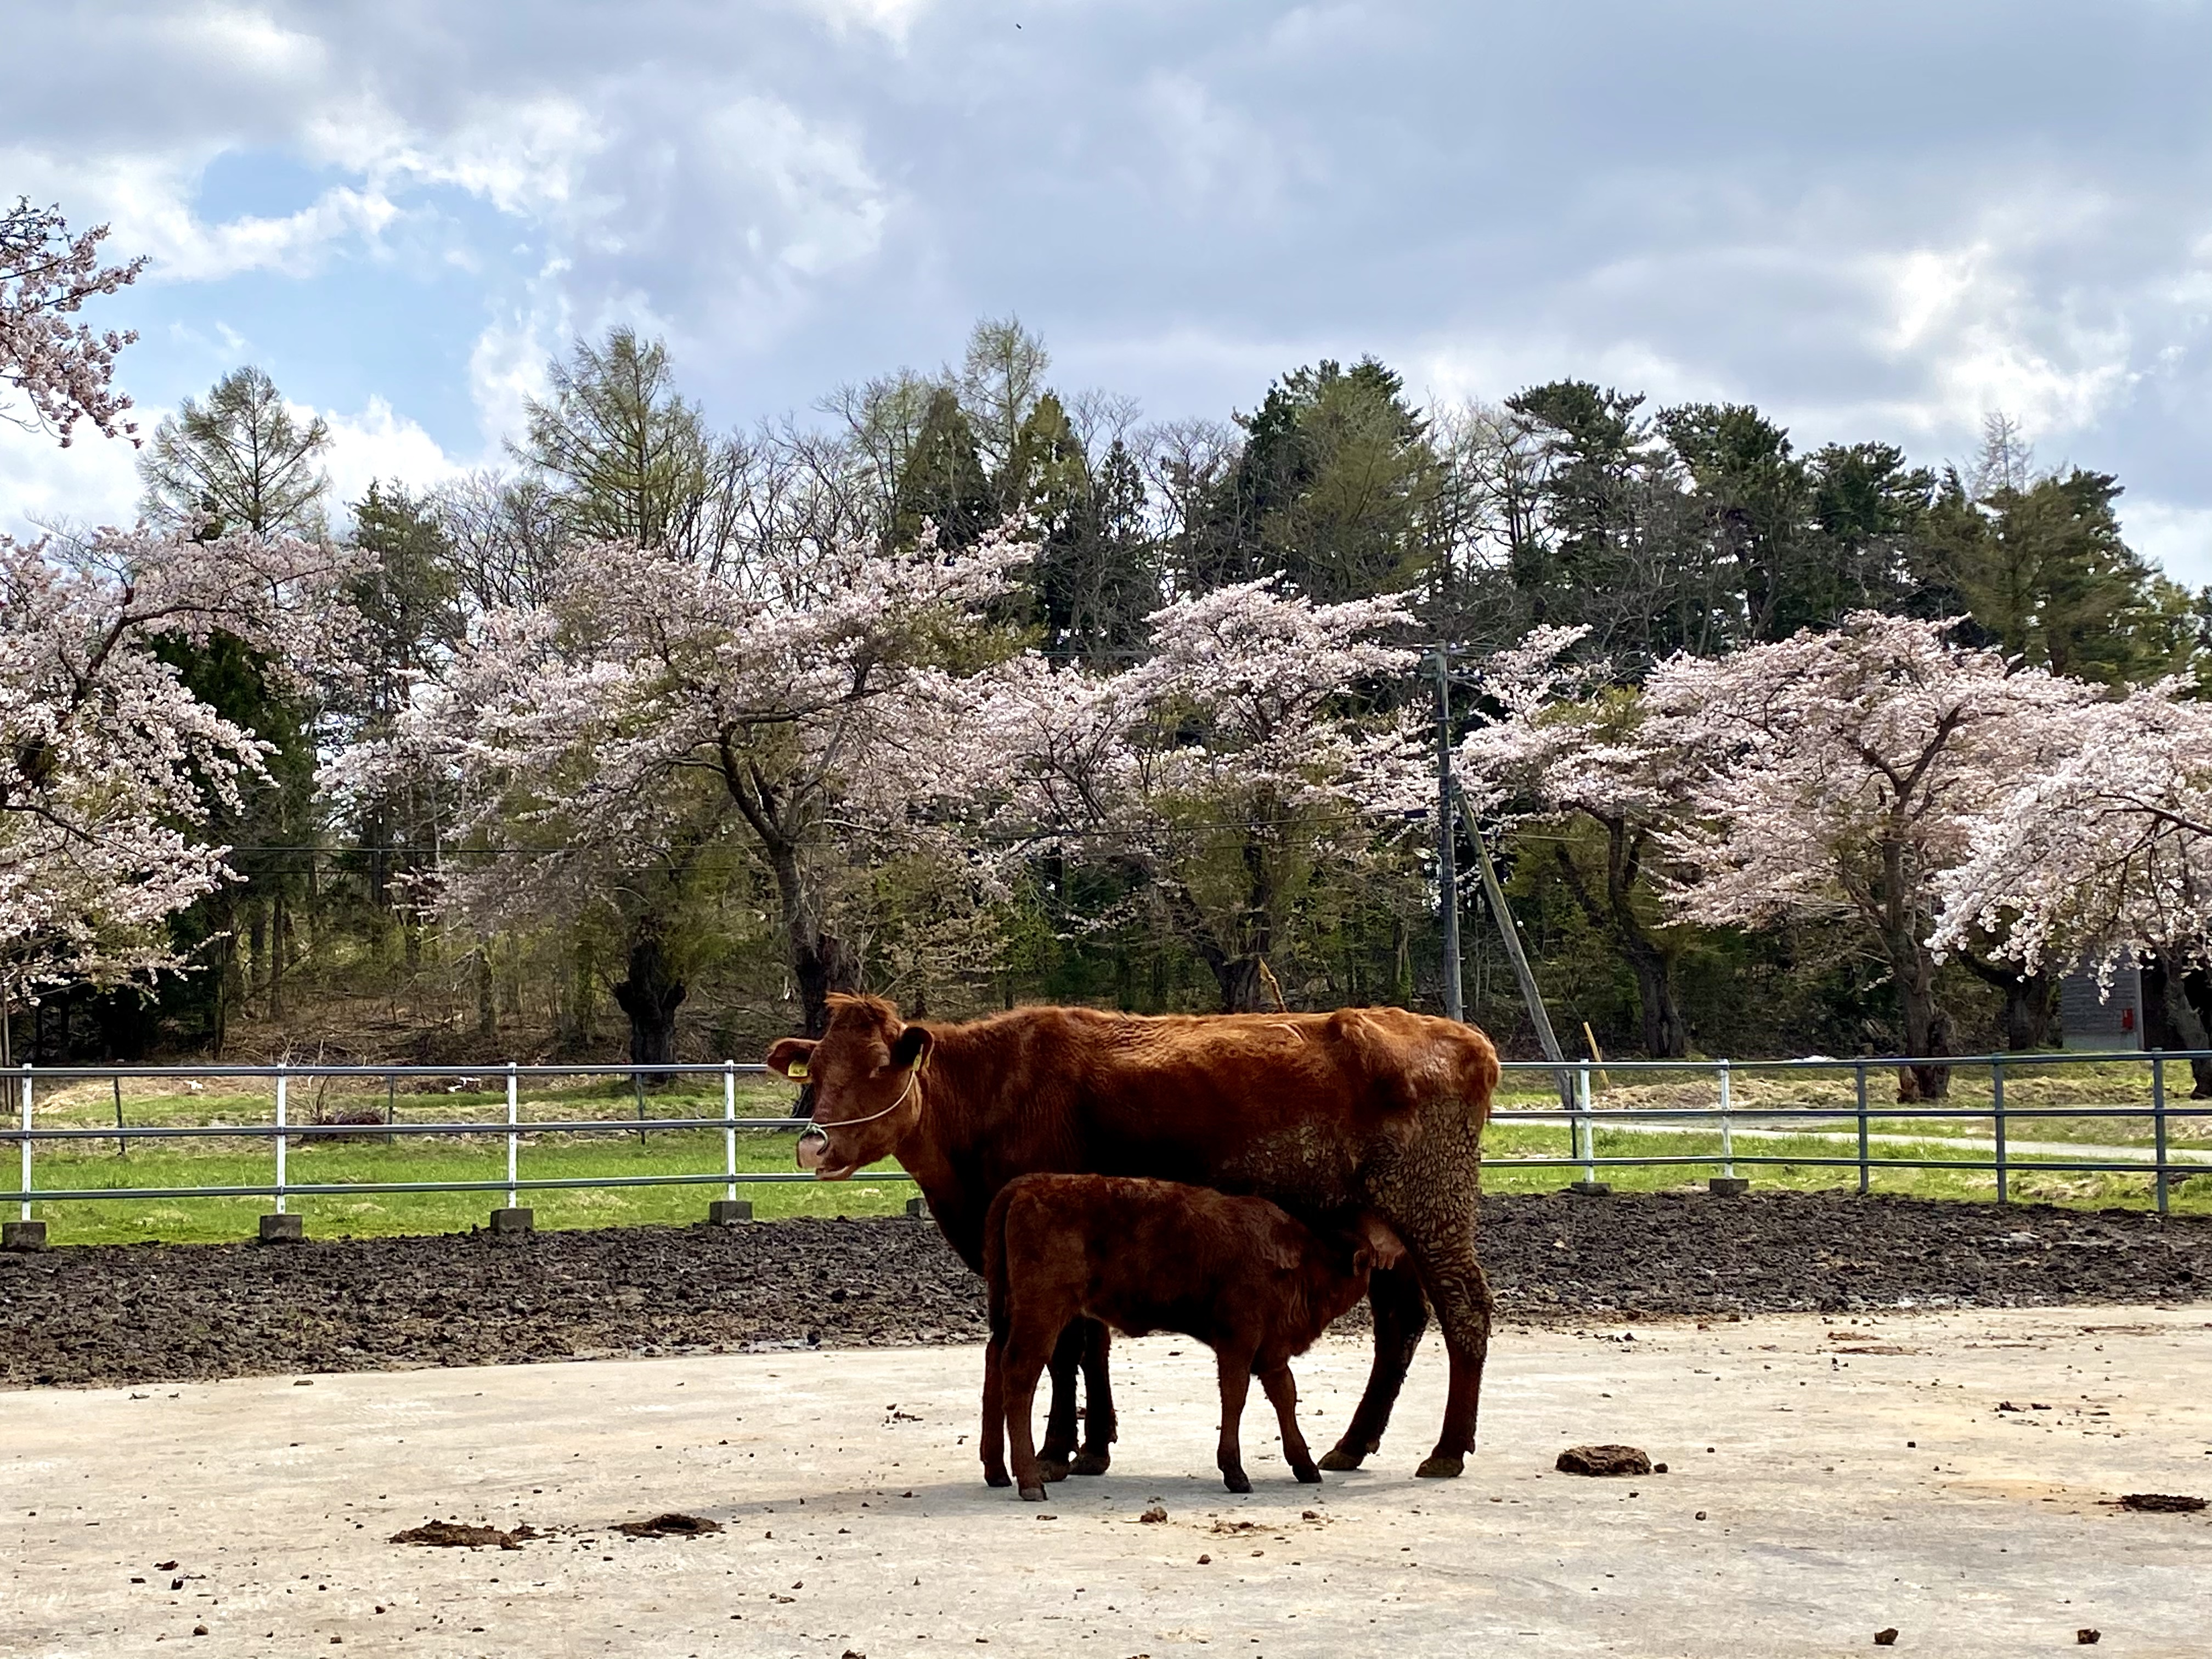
137 1313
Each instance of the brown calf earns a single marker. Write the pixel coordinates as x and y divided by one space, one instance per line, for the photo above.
1238 1275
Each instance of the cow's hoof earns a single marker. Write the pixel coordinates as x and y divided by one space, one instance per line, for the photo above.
1307 1473
1440 1468
1052 1471
1338 1460
1236 1480
997 1478
1032 1494
1092 1462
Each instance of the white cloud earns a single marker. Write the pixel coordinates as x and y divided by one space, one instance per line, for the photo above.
2178 538
94 481
378 445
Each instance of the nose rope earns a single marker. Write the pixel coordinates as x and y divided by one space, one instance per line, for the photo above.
817 1128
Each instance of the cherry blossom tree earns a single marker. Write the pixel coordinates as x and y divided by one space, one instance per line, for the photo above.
2103 852
108 764
1566 745
649 707
1222 774
1842 775
62 368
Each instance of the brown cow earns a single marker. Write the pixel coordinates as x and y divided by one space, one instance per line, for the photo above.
1365 1108
1238 1275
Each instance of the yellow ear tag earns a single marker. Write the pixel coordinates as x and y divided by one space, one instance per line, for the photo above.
796 1071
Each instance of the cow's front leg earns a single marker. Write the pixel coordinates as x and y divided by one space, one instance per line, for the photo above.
1236 1373
1461 1293
1402 1314
1100 1427
1059 1423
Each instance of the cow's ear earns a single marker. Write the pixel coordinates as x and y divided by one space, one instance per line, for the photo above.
910 1048
790 1056
1383 1244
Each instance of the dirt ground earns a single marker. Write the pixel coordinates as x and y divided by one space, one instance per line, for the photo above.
107 1314
1952 1476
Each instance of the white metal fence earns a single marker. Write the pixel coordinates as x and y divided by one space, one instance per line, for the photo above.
1595 1101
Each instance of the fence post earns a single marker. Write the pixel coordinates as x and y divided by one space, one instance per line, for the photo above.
26 1234
1727 1184
121 1151
2158 1122
282 1081
511 1104
1728 1137
1997 1116
1866 1170
1580 1129
730 1135
26 1140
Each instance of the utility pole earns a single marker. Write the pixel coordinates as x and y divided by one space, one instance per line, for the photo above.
1510 932
1447 844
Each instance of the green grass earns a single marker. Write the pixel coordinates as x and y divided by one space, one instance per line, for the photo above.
481 1155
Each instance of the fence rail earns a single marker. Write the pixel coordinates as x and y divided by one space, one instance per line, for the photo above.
1579 1113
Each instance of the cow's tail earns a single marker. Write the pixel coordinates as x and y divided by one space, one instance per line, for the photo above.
995 1260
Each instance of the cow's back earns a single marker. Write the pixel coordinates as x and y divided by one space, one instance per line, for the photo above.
1297 1108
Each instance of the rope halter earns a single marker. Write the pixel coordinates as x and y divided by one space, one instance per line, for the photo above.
820 1132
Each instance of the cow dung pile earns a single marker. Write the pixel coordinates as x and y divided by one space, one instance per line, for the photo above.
112 1314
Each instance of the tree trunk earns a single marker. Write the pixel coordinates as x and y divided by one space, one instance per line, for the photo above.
820 962
1241 987
2177 1010
1665 1035
650 997
1927 1031
2030 1000
487 1008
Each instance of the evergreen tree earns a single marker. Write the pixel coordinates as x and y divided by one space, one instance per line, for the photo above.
943 483
238 461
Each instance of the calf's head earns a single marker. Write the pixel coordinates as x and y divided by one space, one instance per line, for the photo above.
865 1072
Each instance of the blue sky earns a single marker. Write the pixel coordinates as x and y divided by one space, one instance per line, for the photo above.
1872 219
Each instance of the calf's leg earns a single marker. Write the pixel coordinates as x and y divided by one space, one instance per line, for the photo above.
1025 1352
991 1448
1400 1315
1059 1422
1100 1428
1282 1394
1235 1370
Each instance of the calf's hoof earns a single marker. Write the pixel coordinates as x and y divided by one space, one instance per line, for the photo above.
1440 1468
1236 1480
1307 1473
1052 1471
997 1478
1032 1494
1092 1462
1341 1460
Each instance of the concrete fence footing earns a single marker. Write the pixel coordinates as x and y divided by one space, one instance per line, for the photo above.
284 1229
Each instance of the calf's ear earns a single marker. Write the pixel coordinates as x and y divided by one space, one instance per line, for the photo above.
910 1048
790 1056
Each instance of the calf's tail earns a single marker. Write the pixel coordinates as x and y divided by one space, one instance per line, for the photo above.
995 1261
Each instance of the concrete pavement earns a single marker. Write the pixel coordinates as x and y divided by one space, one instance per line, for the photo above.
1830 1478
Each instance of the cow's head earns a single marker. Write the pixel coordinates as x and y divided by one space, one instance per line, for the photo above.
865 1072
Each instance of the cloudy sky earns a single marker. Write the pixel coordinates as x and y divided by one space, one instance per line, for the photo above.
1873 219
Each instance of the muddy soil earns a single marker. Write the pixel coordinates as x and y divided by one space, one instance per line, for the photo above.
117 1314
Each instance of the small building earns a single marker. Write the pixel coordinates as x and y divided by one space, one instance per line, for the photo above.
2090 1016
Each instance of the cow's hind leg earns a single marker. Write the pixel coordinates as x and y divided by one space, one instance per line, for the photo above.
1059 1423
1400 1315
1236 1373
1283 1395
1100 1428
1460 1290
